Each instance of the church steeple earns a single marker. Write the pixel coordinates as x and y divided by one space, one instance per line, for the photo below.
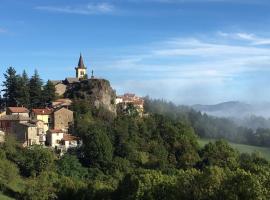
81 63
81 72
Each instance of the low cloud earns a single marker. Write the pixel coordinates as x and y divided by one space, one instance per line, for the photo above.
193 70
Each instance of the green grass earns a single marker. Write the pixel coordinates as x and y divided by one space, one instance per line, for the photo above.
4 197
242 148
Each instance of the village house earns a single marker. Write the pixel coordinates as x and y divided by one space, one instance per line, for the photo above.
60 88
44 115
22 111
8 122
58 139
128 98
62 118
28 134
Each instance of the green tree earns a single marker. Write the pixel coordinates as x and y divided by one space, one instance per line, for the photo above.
220 154
36 90
70 166
23 90
48 93
34 160
97 147
11 87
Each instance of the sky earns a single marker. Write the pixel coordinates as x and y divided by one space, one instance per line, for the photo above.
185 51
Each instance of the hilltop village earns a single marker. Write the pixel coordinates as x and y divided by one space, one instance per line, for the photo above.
51 126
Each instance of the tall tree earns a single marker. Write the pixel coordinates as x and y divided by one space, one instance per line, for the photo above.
48 93
35 87
23 90
11 87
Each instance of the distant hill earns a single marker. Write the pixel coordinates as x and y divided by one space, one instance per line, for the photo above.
235 109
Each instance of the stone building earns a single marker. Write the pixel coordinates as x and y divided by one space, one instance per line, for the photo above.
27 134
8 122
62 118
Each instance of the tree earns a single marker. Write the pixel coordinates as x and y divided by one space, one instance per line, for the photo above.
36 91
23 90
97 147
70 166
11 87
48 93
35 160
219 154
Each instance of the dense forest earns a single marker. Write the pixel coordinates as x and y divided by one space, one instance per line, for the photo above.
129 157
156 156
211 127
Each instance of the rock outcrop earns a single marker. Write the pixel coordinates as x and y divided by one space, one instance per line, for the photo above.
98 92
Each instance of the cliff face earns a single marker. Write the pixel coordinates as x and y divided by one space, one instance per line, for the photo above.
98 92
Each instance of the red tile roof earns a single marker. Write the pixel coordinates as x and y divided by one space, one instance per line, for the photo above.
68 137
18 109
44 111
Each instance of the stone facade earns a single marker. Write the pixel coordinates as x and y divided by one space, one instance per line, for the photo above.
62 118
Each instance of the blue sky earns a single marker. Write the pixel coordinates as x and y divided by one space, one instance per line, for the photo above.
187 51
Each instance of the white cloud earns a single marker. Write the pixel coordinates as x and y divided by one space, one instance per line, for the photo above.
89 9
192 70
253 39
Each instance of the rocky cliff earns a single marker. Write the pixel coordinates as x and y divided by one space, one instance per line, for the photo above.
98 92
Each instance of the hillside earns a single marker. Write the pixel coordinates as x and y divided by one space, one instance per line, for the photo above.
235 109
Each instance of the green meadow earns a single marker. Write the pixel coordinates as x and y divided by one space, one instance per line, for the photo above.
242 148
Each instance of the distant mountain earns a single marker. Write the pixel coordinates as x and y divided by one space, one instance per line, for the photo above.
235 109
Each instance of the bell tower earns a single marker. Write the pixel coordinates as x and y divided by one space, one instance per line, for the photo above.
81 70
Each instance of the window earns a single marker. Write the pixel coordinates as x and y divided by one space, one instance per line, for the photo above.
82 73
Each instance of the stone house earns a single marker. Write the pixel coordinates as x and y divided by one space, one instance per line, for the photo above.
18 111
60 89
27 134
8 122
62 118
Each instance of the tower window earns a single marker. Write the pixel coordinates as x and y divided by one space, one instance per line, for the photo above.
82 73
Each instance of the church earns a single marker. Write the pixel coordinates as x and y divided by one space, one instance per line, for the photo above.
81 74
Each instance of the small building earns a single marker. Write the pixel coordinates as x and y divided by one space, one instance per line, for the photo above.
128 98
44 115
62 118
54 137
8 122
18 111
70 141
27 134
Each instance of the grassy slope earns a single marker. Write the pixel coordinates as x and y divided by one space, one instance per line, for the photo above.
265 152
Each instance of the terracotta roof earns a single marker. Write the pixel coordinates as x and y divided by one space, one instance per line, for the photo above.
18 110
44 111
68 137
